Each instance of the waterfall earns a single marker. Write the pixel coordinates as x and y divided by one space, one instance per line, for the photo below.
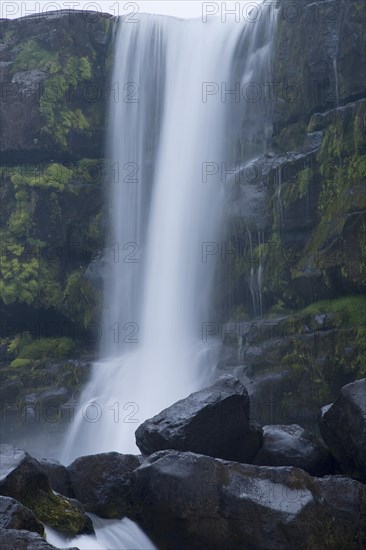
172 127
175 131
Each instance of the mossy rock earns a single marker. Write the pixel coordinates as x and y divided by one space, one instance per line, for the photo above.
25 480
62 514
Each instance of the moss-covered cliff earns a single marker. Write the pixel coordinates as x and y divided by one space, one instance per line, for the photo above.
299 266
310 244
55 89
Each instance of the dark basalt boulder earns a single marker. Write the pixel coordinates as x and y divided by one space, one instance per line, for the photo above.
58 477
14 515
343 428
292 445
214 421
102 482
23 540
185 500
24 479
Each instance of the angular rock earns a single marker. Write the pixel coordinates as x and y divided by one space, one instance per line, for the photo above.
214 421
23 540
102 482
343 428
185 500
294 446
23 478
14 515
58 477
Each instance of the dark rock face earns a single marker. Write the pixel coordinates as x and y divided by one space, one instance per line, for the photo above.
313 187
58 477
315 42
214 421
343 428
102 482
22 540
35 53
293 446
276 358
14 515
184 500
54 78
24 479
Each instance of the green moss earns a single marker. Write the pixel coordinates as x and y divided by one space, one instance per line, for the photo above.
20 363
32 56
55 105
54 176
20 340
18 278
65 73
58 512
342 162
291 138
349 310
47 348
82 300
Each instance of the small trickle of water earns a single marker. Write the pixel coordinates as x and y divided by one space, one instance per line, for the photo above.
336 79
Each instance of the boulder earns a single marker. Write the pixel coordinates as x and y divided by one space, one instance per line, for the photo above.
214 421
186 500
294 446
343 428
22 540
14 515
58 476
102 482
24 479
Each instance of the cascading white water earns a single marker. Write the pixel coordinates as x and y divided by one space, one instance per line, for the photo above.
173 130
109 535
168 123
165 129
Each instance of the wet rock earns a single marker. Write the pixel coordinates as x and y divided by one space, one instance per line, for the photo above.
102 482
14 515
10 391
25 83
54 397
343 428
294 446
214 421
185 500
24 479
23 540
58 477
319 46
346 499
